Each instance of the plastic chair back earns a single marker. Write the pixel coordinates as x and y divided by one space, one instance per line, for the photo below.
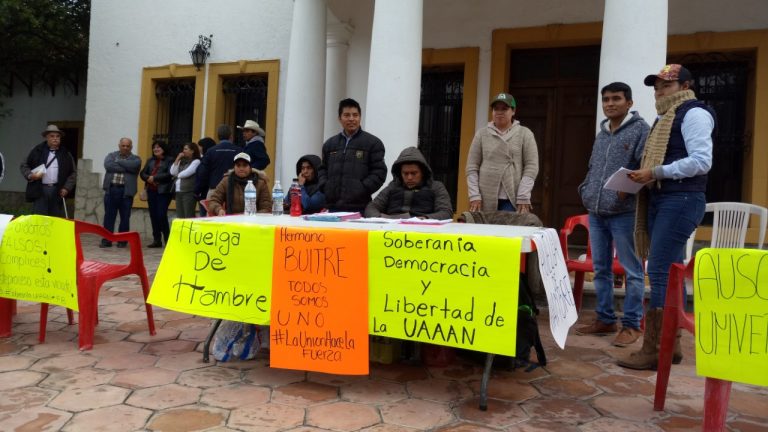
730 224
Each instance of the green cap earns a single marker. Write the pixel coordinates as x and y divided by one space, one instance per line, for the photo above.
506 98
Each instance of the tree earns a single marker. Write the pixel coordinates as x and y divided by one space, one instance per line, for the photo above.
43 43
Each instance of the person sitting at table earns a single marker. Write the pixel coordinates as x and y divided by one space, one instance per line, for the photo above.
312 196
412 192
229 195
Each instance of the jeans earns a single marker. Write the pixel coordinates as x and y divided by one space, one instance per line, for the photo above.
116 202
672 217
158 214
506 205
49 203
605 233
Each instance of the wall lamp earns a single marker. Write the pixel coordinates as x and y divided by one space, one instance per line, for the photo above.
201 51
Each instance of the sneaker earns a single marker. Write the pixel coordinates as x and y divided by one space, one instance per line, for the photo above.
597 328
627 336
122 245
105 244
155 244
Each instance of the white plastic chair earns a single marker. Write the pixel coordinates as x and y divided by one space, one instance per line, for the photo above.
729 227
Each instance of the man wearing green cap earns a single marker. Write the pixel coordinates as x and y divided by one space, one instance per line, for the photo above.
503 162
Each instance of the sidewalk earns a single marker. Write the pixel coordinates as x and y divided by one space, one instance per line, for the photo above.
133 382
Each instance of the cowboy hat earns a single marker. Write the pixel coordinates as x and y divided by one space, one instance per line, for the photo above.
252 125
52 128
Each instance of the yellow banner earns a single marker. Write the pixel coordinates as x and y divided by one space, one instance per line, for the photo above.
731 314
445 289
38 260
216 270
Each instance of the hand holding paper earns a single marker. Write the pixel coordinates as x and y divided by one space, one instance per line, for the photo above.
620 181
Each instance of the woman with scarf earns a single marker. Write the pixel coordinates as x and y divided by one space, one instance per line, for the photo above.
184 170
229 195
159 184
676 160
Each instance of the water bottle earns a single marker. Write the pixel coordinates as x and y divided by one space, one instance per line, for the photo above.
295 196
250 199
277 199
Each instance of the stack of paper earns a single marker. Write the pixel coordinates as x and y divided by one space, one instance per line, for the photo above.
332 216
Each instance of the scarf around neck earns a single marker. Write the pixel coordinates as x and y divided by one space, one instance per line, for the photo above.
653 156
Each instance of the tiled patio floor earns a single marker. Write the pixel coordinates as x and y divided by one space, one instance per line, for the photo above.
131 381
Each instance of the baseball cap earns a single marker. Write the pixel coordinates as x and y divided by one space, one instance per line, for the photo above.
242 155
506 98
670 72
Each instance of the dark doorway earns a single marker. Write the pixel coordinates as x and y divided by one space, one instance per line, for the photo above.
442 94
721 81
556 92
245 98
175 114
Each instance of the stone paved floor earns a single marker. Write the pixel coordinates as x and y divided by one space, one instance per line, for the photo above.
131 381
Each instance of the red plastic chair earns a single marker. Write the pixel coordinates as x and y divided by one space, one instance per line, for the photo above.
7 307
716 392
91 275
579 267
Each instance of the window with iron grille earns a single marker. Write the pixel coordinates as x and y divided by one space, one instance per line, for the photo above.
442 93
175 111
245 98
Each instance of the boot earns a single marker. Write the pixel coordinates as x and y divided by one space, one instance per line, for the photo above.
648 355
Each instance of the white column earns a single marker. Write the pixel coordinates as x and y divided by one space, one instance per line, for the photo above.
336 74
394 77
304 89
634 45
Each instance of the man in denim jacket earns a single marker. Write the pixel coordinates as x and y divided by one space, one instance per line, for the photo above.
619 143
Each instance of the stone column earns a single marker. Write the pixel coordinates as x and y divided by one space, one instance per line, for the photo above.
336 74
394 77
634 45
304 89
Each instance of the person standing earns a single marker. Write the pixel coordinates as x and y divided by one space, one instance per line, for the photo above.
674 167
253 135
353 163
51 174
121 173
503 162
619 143
215 162
184 169
159 183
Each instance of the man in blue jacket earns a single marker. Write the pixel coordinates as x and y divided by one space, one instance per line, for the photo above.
619 143
121 173
215 162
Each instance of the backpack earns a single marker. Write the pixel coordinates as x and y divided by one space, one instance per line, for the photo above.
527 330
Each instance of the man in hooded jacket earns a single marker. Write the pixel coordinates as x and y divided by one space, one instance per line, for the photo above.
412 192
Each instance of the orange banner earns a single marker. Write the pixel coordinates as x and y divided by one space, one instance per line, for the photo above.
320 301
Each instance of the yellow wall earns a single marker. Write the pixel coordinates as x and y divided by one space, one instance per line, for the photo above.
468 58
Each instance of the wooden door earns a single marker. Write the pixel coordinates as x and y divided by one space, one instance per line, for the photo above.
562 120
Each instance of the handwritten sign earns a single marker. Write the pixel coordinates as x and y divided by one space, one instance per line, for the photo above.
216 270
319 301
445 289
37 261
731 314
557 284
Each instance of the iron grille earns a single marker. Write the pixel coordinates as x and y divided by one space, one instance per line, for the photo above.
442 93
245 98
721 82
176 105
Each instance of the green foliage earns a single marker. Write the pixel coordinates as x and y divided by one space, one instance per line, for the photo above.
43 42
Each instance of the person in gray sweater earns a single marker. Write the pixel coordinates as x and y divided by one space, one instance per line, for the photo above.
619 143
122 170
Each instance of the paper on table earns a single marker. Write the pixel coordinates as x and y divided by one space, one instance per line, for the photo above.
419 221
619 181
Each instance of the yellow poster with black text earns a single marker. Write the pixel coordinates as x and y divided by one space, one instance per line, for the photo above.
731 314
217 270
444 289
38 261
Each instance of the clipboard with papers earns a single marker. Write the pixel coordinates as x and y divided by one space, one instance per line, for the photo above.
620 181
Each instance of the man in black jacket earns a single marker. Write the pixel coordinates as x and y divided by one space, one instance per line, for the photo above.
50 173
215 162
353 163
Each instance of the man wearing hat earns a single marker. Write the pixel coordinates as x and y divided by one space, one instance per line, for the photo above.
229 195
503 162
50 173
674 167
253 135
